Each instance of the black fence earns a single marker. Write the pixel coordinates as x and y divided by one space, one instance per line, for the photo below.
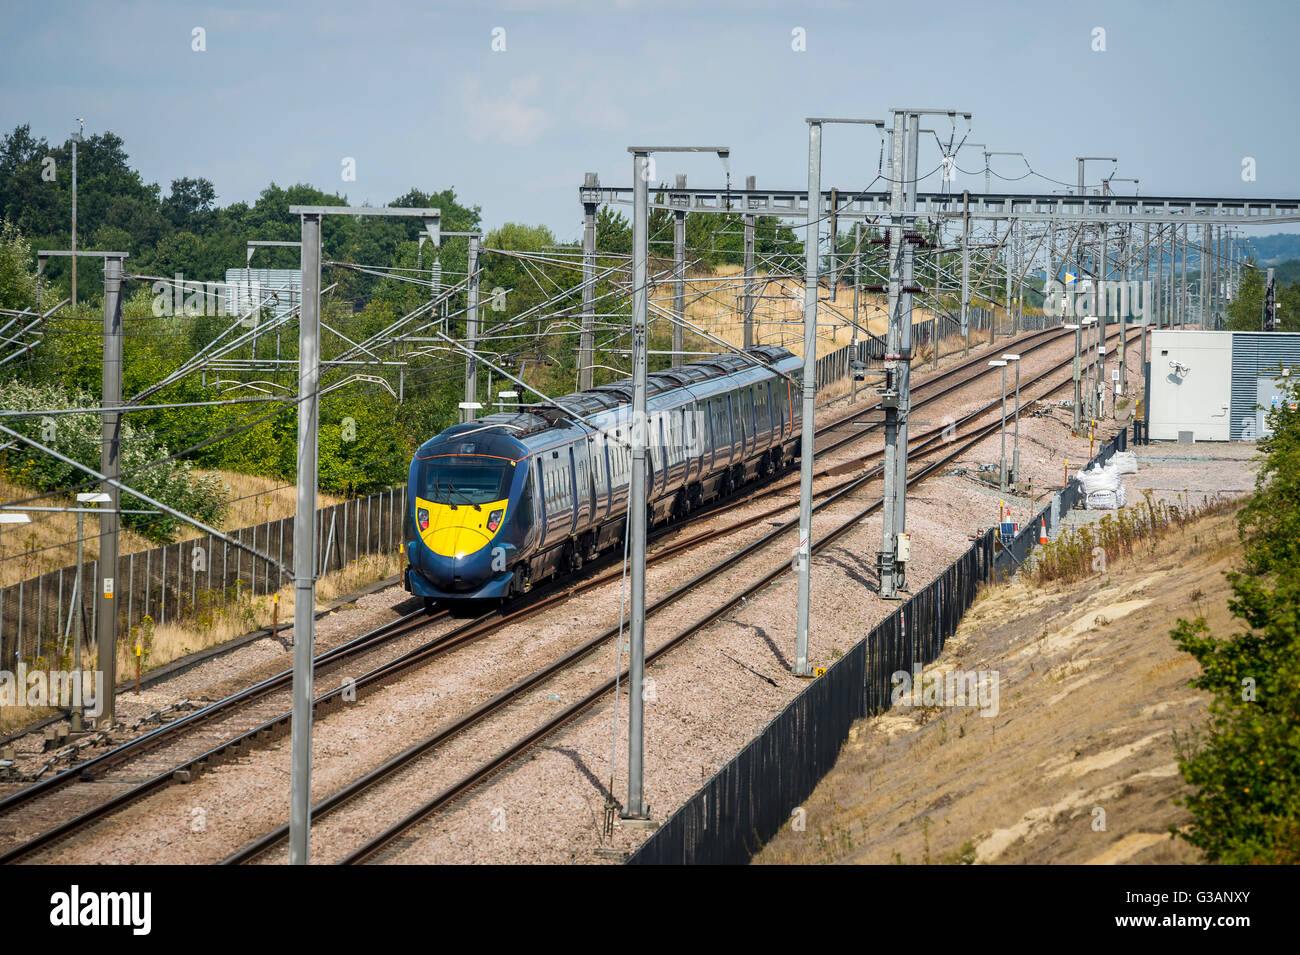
750 798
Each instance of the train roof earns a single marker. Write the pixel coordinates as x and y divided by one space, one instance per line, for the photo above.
512 426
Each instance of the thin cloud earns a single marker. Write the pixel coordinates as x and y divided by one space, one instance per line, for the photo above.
512 119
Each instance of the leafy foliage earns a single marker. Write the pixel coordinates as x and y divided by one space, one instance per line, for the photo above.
78 436
17 279
1246 769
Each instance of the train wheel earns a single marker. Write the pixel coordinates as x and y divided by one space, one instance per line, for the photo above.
428 605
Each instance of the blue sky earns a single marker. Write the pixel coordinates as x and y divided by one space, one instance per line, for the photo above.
416 95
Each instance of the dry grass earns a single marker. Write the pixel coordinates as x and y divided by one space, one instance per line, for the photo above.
714 303
16 717
213 625
244 614
1093 690
50 540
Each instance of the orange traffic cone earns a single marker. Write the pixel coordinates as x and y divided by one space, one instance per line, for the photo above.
1042 532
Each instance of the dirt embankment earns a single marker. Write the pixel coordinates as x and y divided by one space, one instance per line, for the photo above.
1074 761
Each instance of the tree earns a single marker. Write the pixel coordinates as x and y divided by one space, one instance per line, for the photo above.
1246 310
17 279
1246 768
190 202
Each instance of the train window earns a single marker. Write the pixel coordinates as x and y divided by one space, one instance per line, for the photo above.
464 479
566 489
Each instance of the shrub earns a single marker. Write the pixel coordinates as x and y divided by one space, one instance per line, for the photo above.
78 436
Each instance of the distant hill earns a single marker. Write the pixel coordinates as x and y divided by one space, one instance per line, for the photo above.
1272 249
1286 273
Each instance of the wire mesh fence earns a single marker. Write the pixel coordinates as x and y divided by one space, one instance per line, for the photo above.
39 616
752 797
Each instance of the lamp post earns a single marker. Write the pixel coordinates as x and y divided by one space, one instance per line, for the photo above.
1078 341
1088 324
1015 454
1002 464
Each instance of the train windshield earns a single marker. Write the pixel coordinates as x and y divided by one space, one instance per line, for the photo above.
463 479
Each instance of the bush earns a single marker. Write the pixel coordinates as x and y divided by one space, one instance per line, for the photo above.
78 436
1246 767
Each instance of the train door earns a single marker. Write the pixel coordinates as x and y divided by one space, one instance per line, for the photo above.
721 435
762 416
733 423
584 495
542 501
599 477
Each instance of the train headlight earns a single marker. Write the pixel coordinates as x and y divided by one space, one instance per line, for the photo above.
422 516
494 521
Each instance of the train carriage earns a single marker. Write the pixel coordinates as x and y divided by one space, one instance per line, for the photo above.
502 503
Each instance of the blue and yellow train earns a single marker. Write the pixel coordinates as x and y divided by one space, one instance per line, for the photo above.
500 504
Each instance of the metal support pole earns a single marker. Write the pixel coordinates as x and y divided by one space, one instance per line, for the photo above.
76 138
965 270
1006 259
76 610
808 422
304 544
636 807
1122 304
749 272
833 258
587 337
471 328
912 150
679 277
110 467
1203 260
857 281
1184 313
893 361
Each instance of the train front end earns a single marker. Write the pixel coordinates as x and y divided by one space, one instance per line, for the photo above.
463 536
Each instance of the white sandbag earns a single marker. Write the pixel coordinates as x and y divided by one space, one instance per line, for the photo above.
1125 462
1099 478
1101 501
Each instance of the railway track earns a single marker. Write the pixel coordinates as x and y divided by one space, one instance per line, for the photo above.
390 768
215 736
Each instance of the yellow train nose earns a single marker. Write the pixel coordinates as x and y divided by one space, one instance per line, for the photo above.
455 541
459 531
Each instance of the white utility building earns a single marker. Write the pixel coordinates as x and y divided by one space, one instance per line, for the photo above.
1208 386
